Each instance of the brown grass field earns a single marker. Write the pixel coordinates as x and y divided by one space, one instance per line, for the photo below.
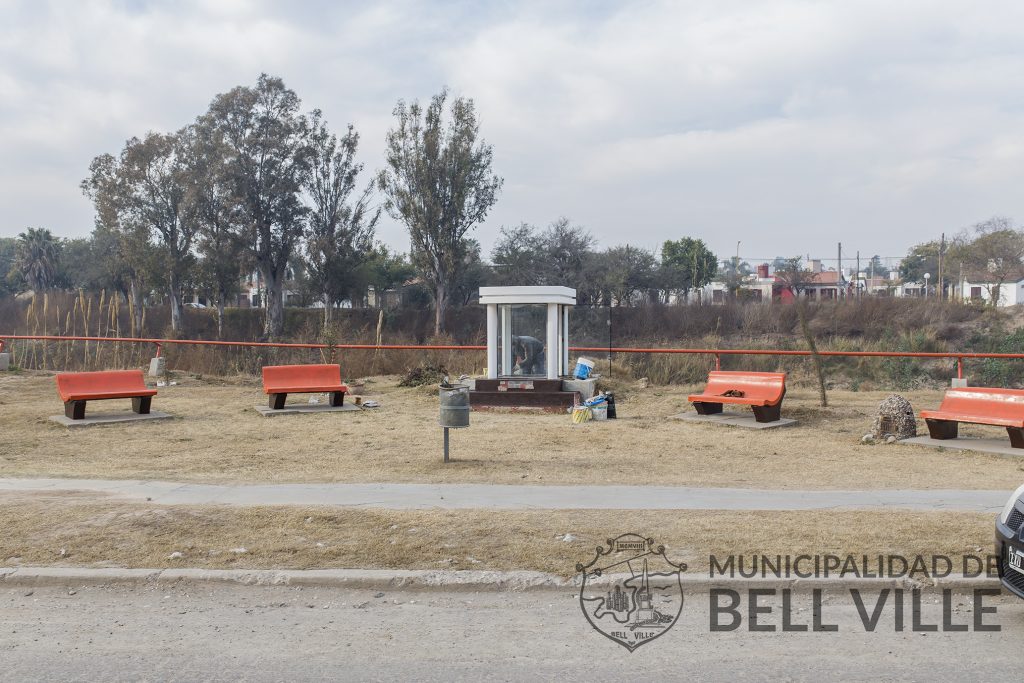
85 531
217 436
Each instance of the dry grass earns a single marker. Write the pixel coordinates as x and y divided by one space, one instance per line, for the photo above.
93 533
218 437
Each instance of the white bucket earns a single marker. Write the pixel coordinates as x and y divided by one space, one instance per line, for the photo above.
600 411
584 366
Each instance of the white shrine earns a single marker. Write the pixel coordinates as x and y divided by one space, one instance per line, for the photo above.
527 331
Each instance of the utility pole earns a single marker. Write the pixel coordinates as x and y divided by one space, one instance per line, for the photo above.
839 269
856 278
736 271
942 254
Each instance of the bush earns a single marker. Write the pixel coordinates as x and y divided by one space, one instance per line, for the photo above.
997 372
868 324
422 375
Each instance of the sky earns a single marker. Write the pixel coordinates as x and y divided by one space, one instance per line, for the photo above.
786 126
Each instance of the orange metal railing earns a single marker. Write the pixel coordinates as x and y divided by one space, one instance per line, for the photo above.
717 353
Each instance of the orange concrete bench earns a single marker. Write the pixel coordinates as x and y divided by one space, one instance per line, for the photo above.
978 405
762 391
75 388
281 380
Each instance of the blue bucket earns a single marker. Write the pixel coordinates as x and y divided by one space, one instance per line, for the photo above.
584 366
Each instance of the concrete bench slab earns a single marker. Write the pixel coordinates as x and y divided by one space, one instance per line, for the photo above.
267 411
996 446
109 418
744 420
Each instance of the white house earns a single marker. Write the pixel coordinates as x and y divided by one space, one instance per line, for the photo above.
716 292
253 296
982 288
909 288
878 285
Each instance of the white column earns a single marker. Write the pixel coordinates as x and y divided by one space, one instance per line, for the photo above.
492 341
552 351
565 340
506 340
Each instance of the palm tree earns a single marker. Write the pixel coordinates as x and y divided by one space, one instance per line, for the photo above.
37 259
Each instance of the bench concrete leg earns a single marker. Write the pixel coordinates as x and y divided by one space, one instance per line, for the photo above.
337 398
277 401
74 410
942 429
141 404
1016 436
767 413
703 408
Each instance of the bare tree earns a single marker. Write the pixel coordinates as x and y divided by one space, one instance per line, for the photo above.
339 235
518 256
438 182
565 251
556 255
796 277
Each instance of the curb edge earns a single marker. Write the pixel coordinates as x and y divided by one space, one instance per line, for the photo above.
425 579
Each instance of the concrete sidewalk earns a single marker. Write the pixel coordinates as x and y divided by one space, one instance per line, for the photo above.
505 497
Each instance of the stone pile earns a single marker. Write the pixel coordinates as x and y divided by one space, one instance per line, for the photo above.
895 420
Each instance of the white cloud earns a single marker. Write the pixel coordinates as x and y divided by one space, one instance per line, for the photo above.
787 125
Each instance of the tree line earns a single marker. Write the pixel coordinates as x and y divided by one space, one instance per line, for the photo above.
560 254
255 184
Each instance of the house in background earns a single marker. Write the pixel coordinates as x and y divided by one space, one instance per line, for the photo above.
827 284
765 287
759 286
981 287
410 293
823 284
387 298
913 289
251 295
716 292
877 285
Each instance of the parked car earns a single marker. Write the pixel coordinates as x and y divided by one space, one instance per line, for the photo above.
194 305
1010 543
